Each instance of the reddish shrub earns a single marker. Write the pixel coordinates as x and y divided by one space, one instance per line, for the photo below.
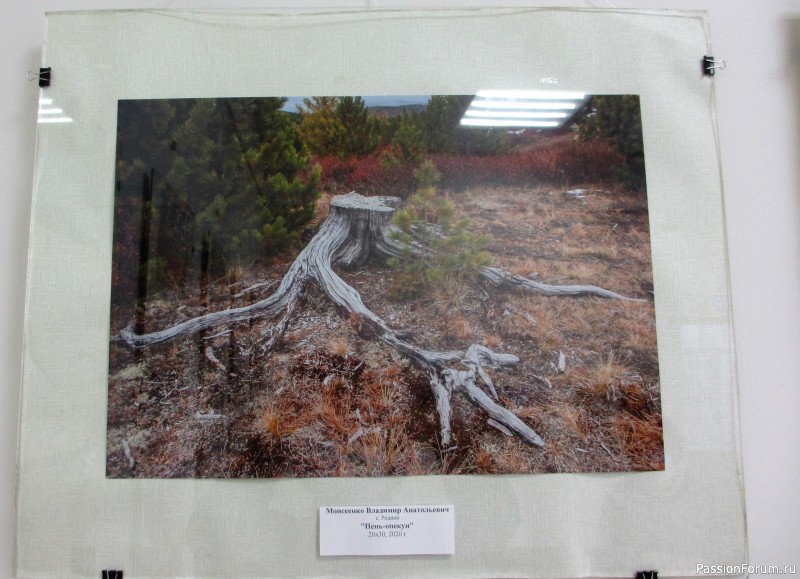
564 164
589 162
370 175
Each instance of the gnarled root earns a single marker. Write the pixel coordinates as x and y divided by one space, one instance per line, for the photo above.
356 228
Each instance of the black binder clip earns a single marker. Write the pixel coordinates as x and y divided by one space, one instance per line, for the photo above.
647 575
710 65
112 574
43 77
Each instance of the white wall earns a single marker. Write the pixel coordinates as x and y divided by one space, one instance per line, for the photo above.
758 99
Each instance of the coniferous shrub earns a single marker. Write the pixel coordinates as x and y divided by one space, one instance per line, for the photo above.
617 119
440 250
203 184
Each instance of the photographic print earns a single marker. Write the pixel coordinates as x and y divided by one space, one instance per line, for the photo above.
358 286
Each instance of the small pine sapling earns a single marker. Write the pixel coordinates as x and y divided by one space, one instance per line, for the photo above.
440 250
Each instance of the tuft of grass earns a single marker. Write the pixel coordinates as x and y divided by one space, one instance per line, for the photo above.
492 341
335 415
640 440
532 414
572 418
279 420
605 252
383 451
355 322
412 463
607 377
235 274
484 460
457 326
392 372
339 347
512 459
322 209
379 396
524 268
450 293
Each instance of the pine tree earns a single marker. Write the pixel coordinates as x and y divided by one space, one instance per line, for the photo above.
408 137
618 119
442 131
338 126
278 193
320 127
227 182
357 137
445 251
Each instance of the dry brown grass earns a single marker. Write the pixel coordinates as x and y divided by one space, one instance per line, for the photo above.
297 335
379 396
413 463
607 377
638 326
280 419
235 274
333 401
571 418
484 460
322 209
596 251
339 347
640 440
383 451
456 326
534 415
450 294
512 458
547 333
524 267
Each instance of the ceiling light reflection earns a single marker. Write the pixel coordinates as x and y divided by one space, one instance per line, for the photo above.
55 120
476 122
51 114
511 104
523 108
516 114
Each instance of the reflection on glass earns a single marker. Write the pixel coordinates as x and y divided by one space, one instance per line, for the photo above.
48 113
520 108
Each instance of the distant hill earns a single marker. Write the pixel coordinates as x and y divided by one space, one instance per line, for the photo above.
394 111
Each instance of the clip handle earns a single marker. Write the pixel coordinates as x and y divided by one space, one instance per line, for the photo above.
43 77
710 65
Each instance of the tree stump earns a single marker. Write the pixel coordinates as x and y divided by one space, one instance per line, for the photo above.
356 229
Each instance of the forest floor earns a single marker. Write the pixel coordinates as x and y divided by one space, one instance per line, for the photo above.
329 402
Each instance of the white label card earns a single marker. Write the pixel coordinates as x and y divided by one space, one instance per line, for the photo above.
393 530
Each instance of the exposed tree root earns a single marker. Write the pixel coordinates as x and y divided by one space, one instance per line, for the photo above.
357 228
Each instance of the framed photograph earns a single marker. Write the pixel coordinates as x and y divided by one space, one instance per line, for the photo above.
368 267
259 331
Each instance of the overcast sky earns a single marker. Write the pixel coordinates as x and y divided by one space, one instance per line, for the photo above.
371 101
